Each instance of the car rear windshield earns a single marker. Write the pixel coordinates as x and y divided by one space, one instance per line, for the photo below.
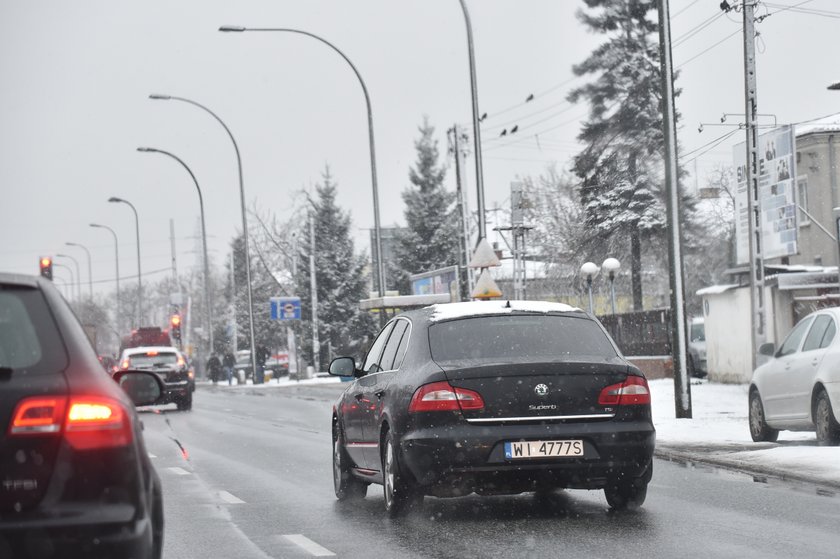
153 359
532 337
29 338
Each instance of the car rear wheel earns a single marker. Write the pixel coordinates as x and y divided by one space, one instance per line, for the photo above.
828 431
400 496
626 495
759 430
347 487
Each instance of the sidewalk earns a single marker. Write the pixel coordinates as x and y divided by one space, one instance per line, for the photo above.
719 434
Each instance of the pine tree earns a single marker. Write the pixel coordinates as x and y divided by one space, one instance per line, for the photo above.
343 328
618 167
430 240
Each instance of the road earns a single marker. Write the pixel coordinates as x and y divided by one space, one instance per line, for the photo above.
247 474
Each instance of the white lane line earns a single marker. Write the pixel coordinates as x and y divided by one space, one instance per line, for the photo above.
308 545
178 471
230 498
152 455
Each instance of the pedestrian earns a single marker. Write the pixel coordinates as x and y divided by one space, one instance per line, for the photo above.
228 362
262 357
214 367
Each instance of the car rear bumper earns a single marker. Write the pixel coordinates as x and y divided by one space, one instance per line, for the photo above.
176 390
101 531
464 458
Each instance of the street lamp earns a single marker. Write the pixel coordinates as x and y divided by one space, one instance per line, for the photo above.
70 270
159 97
479 174
90 274
203 239
78 275
117 262
611 266
589 270
380 266
115 200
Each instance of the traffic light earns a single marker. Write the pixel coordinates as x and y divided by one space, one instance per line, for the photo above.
175 326
46 267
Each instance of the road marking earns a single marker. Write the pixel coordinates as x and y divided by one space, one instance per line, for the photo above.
230 498
152 455
178 471
308 545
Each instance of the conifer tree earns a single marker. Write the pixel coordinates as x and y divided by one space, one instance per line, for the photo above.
343 328
430 240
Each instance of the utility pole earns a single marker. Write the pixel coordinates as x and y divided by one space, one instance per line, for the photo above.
754 205
313 287
466 280
682 386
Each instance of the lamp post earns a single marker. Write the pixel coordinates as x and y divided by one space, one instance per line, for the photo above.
159 97
207 310
479 174
589 270
70 270
78 275
114 199
90 274
611 266
380 266
117 263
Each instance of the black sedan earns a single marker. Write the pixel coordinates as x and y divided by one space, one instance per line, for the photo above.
76 478
494 397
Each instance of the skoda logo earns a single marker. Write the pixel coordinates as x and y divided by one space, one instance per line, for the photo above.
541 390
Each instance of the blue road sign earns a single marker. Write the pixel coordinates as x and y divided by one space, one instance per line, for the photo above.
285 308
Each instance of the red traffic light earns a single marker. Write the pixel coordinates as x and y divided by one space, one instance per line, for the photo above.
175 320
46 267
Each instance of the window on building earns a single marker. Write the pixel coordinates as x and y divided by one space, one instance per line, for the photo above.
802 201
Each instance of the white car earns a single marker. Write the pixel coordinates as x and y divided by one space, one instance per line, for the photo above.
798 389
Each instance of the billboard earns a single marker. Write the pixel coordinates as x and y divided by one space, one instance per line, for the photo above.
776 192
443 280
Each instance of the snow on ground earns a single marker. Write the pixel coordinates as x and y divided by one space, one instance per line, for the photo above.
719 431
272 383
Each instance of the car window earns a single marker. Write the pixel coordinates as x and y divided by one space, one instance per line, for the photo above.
791 343
403 347
828 337
390 352
698 332
153 359
816 333
26 328
372 360
519 336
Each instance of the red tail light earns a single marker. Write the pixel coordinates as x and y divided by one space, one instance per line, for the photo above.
89 422
124 364
634 390
442 396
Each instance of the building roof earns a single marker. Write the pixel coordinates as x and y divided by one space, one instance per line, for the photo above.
826 124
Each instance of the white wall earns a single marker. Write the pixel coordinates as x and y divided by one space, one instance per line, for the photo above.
728 338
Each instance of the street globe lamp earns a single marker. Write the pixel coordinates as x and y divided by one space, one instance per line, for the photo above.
611 267
589 270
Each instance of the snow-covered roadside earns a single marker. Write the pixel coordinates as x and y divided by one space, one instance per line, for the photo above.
719 433
272 383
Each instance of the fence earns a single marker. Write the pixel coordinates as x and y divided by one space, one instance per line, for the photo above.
640 333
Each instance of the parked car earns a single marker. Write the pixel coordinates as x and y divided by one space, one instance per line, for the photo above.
697 348
798 389
76 477
492 397
170 365
278 365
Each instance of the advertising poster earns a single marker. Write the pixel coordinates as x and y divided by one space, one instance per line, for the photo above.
777 195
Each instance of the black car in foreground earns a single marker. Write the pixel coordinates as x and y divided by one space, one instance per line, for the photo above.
75 477
493 397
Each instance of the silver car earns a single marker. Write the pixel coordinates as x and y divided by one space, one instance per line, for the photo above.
798 389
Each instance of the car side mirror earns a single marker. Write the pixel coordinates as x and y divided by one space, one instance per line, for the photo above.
144 388
343 367
767 349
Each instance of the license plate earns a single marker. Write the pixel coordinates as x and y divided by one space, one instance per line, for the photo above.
543 449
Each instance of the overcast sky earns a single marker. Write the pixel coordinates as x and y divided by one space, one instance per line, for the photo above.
76 78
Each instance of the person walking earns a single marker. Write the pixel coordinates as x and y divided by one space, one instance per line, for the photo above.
214 367
228 362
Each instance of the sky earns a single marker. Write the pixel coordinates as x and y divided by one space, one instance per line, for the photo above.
76 78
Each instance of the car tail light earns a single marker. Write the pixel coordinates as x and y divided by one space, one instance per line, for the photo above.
442 396
181 361
634 390
124 364
87 422
38 416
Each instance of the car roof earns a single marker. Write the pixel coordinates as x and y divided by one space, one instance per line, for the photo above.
20 279
467 309
146 349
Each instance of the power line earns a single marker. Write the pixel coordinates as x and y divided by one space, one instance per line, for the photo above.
704 51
